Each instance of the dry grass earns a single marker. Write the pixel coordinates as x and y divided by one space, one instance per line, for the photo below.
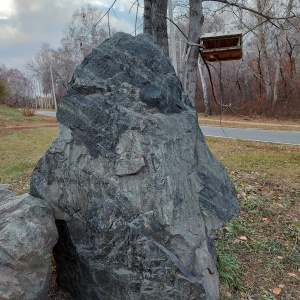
258 250
264 240
247 122
11 118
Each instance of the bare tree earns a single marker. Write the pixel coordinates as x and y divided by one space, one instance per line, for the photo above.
82 34
18 87
281 50
85 31
155 21
192 50
154 10
3 90
261 7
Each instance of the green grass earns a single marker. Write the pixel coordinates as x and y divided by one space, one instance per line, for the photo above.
229 268
19 153
9 111
10 116
272 159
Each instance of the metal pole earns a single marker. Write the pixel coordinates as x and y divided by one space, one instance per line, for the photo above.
172 37
53 90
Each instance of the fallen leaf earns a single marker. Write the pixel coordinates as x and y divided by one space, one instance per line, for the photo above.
281 286
265 219
228 294
243 294
292 274
276 291
280 257
259 261
243 238
242 195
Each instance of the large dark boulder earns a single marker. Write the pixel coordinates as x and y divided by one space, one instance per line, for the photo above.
27 236
136 192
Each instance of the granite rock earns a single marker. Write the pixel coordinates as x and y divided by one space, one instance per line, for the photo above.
27 236
137 194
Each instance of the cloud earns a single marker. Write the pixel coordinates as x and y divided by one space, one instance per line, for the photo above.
31 23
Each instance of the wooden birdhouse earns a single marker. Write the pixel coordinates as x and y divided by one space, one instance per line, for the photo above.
222 46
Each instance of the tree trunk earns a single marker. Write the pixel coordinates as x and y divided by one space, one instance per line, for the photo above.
155 21
221 83
204 89
280 51
264 55
172 37
147 27
192 54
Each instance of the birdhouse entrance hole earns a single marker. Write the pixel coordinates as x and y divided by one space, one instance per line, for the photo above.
222 46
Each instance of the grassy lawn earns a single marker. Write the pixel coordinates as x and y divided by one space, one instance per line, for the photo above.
258 251
23 142
11 118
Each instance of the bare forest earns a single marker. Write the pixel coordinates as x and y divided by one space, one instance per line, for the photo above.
266 81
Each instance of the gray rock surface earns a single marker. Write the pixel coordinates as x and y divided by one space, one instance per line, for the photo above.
137 194
27 236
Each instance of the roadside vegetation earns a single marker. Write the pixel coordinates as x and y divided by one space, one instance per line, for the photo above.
23 142
258 251
259 122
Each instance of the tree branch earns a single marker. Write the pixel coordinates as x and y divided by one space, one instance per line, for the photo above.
136 16
242 6
175 25
107 12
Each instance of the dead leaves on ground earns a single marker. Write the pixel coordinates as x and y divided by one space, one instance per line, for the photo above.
265 237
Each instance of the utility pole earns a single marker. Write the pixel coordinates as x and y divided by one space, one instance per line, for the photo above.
172 37
36 94
41 98
53 90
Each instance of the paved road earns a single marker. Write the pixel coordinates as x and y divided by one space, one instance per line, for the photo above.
251 134
259 135
46 113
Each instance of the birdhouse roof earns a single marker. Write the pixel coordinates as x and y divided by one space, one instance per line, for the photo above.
221 34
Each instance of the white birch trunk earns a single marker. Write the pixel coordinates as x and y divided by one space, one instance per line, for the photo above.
204 88
190 69
172 37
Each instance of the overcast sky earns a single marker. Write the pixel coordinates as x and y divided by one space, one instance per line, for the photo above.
26 24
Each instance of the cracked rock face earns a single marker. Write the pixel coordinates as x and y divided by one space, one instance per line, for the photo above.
27 236
136 192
